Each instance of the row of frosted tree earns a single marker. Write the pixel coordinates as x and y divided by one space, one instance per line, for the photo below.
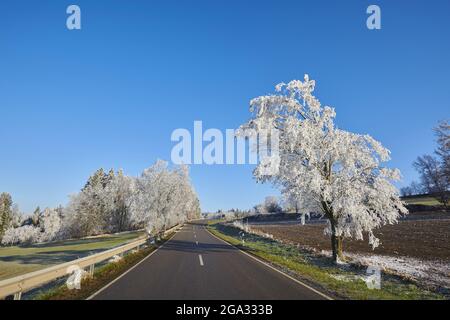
111 202
434 170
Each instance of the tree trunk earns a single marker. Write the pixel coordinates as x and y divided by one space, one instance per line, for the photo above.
445 201
336 244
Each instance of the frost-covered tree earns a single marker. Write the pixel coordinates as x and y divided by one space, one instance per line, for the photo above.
186 205
33 219
17 217
159 199
163 198
193 210
36 216
272 205
413 189
328 170
47 230
99 178
6 213
443 139
144 212
434 171
443 151
432 177
50 225
291 204
22 235
86 213
119 196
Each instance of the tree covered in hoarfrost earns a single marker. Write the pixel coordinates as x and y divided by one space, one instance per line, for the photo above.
24 235
163 198
270 205
102 206
112 202
119 196
144 212
48 229
326 169
6 213
50 224
435 171
86 213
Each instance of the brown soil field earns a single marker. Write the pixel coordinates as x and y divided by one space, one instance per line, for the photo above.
422 239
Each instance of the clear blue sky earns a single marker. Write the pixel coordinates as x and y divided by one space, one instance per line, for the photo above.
110 94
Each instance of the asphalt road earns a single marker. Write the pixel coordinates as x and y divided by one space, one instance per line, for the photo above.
196 265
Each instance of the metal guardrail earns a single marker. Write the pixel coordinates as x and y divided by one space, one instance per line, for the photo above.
19 284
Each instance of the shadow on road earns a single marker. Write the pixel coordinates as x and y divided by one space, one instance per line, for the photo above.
187 246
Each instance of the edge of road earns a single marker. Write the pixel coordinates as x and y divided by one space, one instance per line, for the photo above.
129 270
272 267
240 250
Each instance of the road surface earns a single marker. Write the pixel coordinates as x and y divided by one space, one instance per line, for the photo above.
193 265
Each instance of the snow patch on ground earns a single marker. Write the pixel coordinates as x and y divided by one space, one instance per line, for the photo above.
115 259
430 273
434 273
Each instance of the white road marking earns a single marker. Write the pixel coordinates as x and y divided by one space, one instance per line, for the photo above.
271 267
201 259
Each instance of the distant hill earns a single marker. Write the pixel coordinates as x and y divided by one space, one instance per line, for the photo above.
422 199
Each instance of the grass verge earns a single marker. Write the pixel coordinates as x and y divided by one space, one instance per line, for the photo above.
102 276
18 260
321 272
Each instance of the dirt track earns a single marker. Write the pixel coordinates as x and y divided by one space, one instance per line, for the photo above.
429 239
